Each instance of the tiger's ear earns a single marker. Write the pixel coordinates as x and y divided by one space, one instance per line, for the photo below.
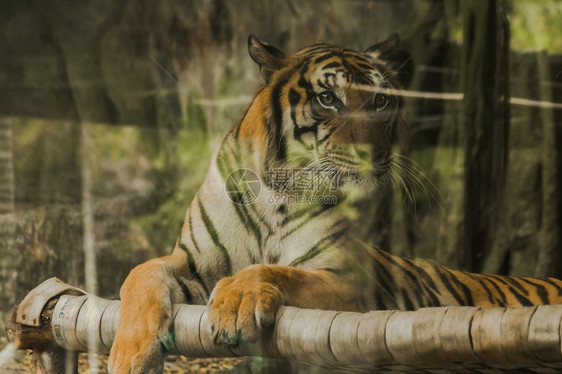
384 48
269 58
397 58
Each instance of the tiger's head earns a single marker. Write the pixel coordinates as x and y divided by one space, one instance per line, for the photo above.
329 108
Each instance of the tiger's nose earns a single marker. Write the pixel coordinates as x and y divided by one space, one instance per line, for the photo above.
382 160
381 156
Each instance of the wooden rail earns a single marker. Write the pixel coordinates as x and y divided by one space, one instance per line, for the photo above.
429 338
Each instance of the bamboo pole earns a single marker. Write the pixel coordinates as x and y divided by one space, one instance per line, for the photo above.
444 337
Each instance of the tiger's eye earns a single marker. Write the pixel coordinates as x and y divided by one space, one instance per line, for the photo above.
327 98
380 101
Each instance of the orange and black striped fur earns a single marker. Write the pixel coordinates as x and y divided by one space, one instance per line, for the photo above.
318 134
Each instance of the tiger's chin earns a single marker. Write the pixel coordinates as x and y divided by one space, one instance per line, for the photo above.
363 176
360 185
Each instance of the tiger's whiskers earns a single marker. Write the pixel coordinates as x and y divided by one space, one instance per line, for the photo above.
407 176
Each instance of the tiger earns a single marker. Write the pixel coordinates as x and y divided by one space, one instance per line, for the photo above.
270 225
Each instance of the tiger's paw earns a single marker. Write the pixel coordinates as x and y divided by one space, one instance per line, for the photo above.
241 305
130 358
142 340
143 335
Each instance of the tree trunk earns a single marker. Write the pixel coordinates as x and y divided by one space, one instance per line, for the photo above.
485 131
7 222
88 238
549 240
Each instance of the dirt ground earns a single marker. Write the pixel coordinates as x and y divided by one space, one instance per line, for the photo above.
22 362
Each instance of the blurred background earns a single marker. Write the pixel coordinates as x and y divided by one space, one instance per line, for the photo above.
109 113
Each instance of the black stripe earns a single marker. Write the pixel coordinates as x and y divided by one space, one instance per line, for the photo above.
445 279
334 64
362 79
516 284
190 260
192 268
424 275
250 225
553 283
433 295
363 65
483 285
407 301
382 273
325 57
192 231
236 150
294 99
277 144
388 272
419 293
313 48
426 284
400 267
499 290
241 209
273 258
499 278
522 299
261 218
299 131
330 132
387 281
467 292
312 252
323 85
185 290
239 126
323 208
319 247
226 168
215 237
222 158
405 270
541 290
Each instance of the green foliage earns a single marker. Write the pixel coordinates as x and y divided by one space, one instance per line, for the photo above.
536 25
163 225
46 155
196 117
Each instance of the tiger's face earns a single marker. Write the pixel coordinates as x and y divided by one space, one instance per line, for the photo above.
331 109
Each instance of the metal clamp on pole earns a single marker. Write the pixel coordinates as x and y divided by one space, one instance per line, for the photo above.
30 309
29 327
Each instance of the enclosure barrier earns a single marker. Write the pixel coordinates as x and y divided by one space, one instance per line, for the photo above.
441 339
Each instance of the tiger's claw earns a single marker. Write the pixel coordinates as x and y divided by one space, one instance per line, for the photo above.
241 306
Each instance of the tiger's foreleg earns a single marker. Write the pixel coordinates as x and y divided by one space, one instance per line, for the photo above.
243 304
144 330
